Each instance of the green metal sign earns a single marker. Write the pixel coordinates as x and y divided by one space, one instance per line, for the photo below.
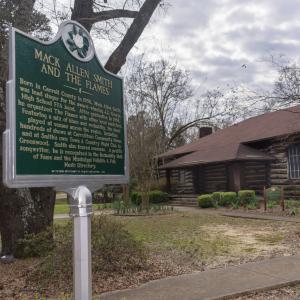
65 120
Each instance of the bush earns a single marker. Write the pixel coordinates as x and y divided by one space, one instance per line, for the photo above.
273 194
155 196
292 203
114 250
158 196
228 198
246 197
136 198
217 197
205 201
35 245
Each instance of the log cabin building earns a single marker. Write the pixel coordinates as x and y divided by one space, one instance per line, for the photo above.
260 151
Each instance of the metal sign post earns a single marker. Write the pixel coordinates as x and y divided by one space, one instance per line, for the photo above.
81 212
65 128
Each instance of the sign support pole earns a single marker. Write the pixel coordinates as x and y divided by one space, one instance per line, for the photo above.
81 212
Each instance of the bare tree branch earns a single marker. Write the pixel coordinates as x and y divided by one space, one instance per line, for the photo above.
108 15
118 57
111 14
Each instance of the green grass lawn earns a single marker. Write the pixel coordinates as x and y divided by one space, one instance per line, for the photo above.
181 232
174 243
207 236
211 239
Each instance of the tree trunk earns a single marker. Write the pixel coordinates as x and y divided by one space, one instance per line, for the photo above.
82 13
22 211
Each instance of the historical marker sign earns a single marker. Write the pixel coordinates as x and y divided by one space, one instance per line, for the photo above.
65 113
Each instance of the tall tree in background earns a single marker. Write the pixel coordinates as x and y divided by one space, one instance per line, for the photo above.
285 91
159 88
143 142
165 92
21 210
31 210
287 86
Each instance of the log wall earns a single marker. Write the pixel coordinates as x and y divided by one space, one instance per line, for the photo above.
254 176
215 178
279 169
178 186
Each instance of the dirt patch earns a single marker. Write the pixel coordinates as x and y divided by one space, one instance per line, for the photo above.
244 238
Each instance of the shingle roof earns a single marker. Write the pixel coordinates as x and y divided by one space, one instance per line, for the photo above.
228 144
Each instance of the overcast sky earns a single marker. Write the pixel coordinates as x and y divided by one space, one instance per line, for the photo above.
222 41
227 41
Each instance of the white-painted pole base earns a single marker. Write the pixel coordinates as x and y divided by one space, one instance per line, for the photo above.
81 211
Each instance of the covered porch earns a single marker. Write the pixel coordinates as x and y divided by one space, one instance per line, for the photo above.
224 168
223 176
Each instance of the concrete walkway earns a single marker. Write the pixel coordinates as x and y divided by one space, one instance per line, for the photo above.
260 216
238 214
218 283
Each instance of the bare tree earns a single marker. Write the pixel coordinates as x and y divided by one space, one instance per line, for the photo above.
287 86
159 88
143 140
31 210
285 91
89 12
165 91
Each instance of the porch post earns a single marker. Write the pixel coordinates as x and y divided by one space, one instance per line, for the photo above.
234 174
168 180
196 183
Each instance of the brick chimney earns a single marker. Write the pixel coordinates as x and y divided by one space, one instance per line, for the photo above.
204 131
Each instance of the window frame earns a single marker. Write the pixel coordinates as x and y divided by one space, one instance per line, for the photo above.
294 161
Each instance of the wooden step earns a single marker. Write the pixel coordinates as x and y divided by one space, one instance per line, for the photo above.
183 200
183 203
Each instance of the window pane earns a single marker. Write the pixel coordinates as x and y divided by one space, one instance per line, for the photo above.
294 161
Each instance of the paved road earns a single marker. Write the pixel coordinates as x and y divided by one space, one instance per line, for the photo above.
218 283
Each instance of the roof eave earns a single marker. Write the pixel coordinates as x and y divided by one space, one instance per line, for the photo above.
191 164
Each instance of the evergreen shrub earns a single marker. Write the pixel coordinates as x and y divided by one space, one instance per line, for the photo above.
217 196
157 196
228 198
205 201
246 197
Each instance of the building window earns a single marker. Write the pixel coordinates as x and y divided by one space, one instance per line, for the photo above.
294 161
181 176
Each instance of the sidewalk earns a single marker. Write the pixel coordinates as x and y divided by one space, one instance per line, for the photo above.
218 283
236 214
